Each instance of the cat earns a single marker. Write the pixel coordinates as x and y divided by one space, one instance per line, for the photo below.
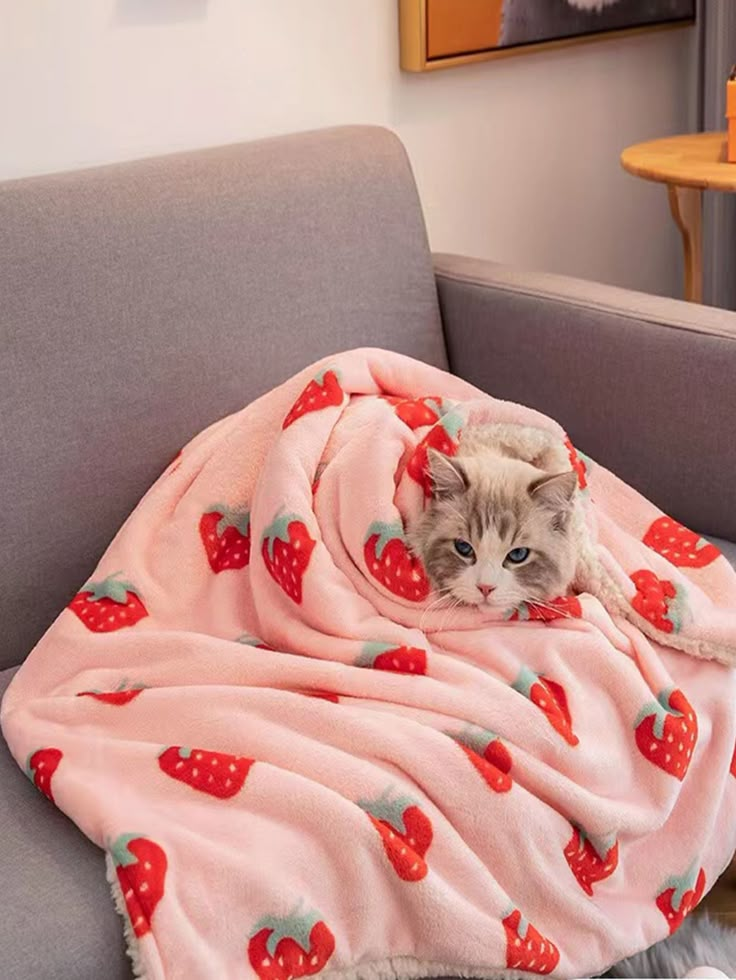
592 5
498 529
698 942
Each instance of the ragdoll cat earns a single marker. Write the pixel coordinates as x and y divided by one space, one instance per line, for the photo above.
698 942
499 530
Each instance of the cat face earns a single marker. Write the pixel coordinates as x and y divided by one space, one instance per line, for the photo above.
496 532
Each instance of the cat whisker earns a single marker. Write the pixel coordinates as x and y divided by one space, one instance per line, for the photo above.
451 609
545 604
441 596
540 601
446 602
537 600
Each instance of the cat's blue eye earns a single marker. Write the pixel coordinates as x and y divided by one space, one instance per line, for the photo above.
464 548
518 555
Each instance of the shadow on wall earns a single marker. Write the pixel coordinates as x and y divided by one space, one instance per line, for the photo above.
133 12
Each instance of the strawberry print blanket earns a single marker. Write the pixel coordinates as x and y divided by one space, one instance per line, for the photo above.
296 764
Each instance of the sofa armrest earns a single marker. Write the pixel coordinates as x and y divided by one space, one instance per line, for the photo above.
645 385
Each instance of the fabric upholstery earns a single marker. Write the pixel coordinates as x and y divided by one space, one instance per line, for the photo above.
143 300
727 547
58 920
643 384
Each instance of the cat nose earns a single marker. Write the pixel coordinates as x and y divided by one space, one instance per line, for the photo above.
485 590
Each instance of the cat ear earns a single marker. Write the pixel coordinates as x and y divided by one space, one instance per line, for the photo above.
448 476
555 492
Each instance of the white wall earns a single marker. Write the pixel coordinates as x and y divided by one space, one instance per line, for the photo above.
515 159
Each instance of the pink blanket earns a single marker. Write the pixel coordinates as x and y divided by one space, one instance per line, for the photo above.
297 765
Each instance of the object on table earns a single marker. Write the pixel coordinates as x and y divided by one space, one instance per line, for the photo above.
731 116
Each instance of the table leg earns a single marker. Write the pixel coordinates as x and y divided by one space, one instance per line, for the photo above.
686 204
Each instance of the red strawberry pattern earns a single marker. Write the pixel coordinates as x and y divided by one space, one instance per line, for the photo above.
122 695
389 656
659 601
443 437
289 947
321 467
225 534
551 698
667 732
526 949
563 607
489 756
286 549
679 545
733 762
140 865
216 773
321 392
391 564
405 830
680 895
175 463
108 605
590 860
577 462
321 695
254 641
417 412
40 769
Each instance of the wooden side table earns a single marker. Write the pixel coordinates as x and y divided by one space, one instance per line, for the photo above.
688 165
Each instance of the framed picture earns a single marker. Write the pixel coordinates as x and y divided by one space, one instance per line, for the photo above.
443 33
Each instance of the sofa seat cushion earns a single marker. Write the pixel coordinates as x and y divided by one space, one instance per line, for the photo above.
58 919
727 547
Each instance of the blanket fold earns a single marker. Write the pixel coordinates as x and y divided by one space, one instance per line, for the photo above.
298 762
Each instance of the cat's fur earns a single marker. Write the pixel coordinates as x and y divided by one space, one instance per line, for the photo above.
698 942
506 488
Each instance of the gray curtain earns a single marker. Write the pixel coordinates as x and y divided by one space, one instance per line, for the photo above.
717 54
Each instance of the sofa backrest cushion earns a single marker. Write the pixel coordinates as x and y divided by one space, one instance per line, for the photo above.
141 301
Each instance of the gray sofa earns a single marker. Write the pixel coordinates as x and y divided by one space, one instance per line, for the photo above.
139 302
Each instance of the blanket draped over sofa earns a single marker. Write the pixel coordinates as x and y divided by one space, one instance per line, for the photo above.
298 762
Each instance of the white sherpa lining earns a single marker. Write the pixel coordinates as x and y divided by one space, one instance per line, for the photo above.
132 946
409 968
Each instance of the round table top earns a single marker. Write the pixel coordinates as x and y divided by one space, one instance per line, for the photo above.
696 160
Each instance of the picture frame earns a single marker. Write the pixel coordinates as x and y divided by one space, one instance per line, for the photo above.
436 34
